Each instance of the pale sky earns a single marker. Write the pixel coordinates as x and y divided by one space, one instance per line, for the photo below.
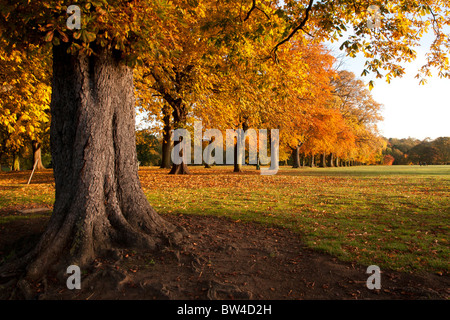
410 109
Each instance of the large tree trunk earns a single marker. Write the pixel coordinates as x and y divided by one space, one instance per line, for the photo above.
166 143
99 204
179 118
36 146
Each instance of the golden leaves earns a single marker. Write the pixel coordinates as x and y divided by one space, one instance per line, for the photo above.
25 97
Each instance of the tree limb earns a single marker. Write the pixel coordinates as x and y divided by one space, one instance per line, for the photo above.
253 8
297 28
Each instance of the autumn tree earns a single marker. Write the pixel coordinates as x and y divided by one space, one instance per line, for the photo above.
442 146
360 113
148 147
214 41
414 151
24 100
399 148
99 204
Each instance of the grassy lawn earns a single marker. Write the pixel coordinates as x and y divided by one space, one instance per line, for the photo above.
396 217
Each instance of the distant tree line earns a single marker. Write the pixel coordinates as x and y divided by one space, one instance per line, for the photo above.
415 151
398 152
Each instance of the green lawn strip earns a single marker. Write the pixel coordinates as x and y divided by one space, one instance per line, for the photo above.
11 218
396 217
384 221
19 194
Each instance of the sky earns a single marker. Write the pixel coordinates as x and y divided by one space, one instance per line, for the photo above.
410 109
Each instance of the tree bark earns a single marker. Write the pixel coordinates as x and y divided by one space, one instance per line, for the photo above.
330 160
166 143
181 168
237 166
207 165
312 164
296 157
99 204
179 118
36 146
323 163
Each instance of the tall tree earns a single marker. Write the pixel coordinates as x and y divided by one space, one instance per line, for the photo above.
24 98
99 204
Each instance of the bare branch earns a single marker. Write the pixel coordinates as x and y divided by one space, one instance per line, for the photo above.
297 28
253 8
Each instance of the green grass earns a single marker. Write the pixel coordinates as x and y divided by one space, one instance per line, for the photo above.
10 218
396 217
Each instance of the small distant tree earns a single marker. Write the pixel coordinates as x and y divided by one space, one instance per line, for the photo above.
424 152
442 147
388 160
148 148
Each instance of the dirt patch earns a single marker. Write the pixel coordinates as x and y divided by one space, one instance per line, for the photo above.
228 260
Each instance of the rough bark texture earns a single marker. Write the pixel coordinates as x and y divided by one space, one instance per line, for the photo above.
99 203
36 146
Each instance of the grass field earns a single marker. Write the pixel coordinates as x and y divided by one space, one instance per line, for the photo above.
396 217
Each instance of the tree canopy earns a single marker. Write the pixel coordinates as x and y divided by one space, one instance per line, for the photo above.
233 65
